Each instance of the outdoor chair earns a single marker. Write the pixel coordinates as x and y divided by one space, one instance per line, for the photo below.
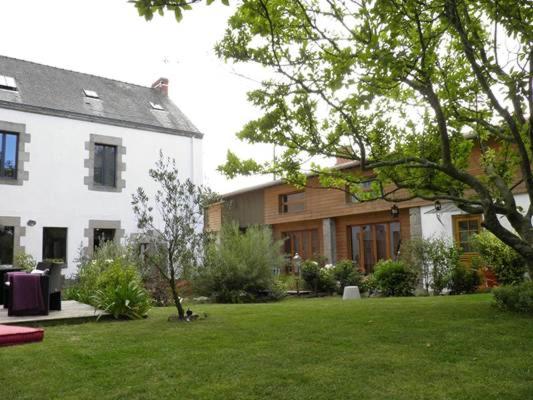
53 271
28 294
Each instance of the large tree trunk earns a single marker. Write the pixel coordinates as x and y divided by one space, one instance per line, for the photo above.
172 283
175 296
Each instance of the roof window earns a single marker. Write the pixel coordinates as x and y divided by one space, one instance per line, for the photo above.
7 82
91 93
157 106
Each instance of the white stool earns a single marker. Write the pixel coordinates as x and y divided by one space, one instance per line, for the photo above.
351 293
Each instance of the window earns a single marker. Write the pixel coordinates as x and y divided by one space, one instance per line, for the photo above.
373 242
55 244
8 155
365 187
157 106
105 163
101 236
466 226
90 93
7 244
293 202
8 83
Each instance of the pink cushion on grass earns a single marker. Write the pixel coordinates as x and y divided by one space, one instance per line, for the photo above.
12 335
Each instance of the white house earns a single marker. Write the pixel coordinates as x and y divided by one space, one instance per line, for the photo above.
73 149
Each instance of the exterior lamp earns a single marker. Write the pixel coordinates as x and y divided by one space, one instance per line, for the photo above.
31 222
438 206
395 211
297 262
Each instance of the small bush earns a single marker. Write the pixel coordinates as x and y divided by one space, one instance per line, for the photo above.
346 274
368 285
239 266
25 261
517 298
119 291
317 278
432 259
111 284
506 264
464 280
395 278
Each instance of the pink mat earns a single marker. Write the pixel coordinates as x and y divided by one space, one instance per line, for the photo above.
12 335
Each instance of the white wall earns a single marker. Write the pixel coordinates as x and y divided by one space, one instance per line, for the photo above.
55 194
431 227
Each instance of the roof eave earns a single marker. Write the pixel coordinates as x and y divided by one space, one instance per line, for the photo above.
98 119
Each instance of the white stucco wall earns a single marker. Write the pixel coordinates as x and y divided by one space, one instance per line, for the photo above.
431 227
55 194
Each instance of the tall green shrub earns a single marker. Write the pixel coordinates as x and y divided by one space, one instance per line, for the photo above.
239 266
395 278
433 259
506 264
464 279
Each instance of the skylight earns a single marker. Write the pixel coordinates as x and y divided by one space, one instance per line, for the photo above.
7 82
91 94
156 106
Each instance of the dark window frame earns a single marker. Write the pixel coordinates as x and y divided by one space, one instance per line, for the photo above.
98 242
351 199
44 250
13 244
3 141
283 204
103 174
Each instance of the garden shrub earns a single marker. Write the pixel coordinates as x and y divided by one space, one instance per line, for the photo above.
506 264
346 274
112 284
517 298
433 259
395 278
24 261
368 285
239 266
318 279
120 292
464 279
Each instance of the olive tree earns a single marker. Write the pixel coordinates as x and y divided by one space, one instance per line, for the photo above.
171 224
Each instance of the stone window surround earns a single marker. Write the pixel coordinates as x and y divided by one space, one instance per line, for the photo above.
101 224
23 156
20 231
88 180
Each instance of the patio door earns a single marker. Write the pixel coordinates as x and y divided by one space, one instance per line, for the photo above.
373 242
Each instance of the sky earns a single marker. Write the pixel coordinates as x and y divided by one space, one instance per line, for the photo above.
108 38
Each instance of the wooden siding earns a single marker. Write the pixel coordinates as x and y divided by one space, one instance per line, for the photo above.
323 203
246 209
213 214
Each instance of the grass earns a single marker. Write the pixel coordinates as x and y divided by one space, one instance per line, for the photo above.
397 348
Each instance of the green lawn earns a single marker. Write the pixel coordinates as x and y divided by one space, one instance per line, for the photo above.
408 348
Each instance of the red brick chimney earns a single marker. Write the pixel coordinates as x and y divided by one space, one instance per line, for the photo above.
162 85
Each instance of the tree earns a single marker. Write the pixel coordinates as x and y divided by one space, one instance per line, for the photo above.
174 235
408 89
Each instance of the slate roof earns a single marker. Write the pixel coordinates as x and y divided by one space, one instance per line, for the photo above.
54 91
